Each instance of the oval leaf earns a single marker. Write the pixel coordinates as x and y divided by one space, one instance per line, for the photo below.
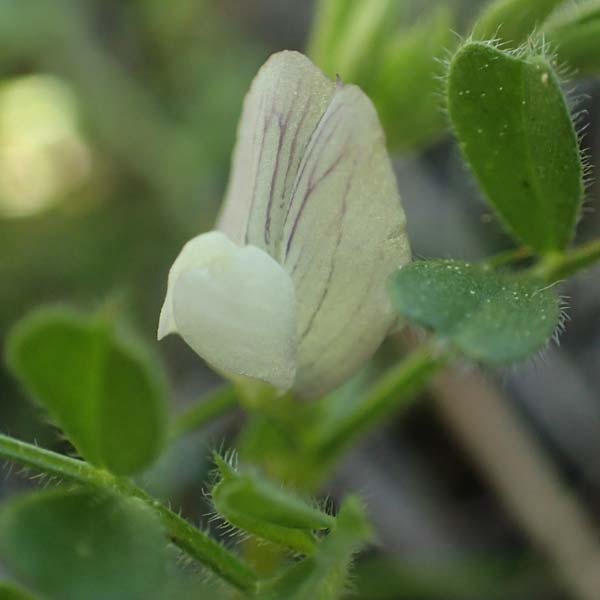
515 130
75 545
492 317
100 388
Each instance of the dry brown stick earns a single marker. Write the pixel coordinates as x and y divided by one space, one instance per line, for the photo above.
524 478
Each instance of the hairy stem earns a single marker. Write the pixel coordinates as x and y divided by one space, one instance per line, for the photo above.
52 463
196 543
192 541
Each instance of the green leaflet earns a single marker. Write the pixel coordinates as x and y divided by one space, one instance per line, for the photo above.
264 509
406 85
513 21
575 35
324 575
101 388
514 128
84 544
492 317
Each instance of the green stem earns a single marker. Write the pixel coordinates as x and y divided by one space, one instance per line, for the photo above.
208 408
392 392
52 463
192 541
559 266
508 257
196 543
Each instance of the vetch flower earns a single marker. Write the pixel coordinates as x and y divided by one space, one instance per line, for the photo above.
292 288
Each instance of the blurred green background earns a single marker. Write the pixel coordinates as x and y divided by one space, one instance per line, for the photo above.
117 119
116 124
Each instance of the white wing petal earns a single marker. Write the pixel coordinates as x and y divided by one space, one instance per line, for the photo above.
344 235
236 307
199 251
281 111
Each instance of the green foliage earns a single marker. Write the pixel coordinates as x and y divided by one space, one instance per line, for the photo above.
348 35
329 22
253 504
324 576
82 544
193 541
9 592
100 387
513 21
514 128
492 317
406 85
397 64
575 34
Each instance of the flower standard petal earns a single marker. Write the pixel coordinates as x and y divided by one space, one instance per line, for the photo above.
238 312
286 101
344 235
